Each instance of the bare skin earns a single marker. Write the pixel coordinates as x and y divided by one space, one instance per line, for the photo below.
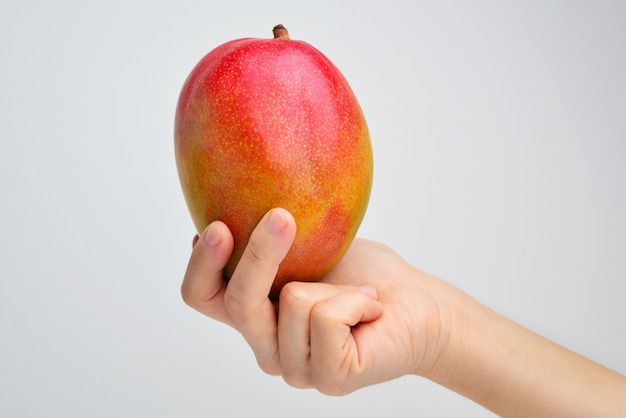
375 318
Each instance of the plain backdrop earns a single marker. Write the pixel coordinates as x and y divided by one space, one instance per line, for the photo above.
499 133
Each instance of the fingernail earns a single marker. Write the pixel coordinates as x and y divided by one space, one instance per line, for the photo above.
212 236
276 222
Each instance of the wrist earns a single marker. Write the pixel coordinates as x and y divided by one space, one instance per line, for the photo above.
476 358
435 325
512 371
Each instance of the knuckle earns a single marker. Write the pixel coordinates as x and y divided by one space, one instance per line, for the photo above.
269 367
252 254
295 378
332 388
234 306
188 296
320 313
292 294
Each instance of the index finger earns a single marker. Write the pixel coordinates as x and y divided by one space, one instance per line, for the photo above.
247 295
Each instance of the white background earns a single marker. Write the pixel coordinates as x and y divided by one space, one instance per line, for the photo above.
499 132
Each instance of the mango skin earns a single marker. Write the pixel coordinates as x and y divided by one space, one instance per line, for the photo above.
264 123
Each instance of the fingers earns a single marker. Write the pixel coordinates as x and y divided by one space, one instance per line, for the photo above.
203 285
338 363
312 341
246 297
296 301
317 348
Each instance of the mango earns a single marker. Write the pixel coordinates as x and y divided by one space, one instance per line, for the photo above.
264 123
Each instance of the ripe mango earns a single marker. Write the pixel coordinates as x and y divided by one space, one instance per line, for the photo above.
264 123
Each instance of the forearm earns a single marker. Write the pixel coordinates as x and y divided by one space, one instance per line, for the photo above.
515 372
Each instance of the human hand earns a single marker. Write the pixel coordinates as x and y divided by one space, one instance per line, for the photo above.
374 317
